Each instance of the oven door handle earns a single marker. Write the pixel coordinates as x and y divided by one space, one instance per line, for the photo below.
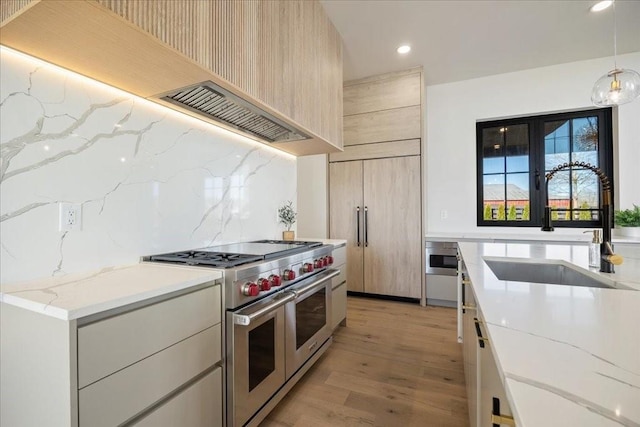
321 278
246 319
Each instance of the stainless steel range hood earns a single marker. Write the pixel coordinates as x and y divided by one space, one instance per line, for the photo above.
213 102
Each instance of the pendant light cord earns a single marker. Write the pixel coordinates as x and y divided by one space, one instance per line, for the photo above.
615 37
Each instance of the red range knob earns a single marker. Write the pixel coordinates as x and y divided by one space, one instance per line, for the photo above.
264 284
330 259
318 263
289 275
325 261
250 289
275 280
307 267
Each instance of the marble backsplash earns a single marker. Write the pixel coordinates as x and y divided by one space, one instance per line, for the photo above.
149 180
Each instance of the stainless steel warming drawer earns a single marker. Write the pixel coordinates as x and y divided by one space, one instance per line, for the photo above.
441 271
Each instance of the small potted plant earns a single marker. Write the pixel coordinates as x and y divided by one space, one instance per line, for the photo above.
628 222
287 216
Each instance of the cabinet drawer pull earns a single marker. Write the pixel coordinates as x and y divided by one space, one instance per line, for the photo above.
466 282
468 307
481 339
502 420
497 418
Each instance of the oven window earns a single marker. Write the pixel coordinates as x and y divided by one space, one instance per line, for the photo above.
443 261
262 352
311 316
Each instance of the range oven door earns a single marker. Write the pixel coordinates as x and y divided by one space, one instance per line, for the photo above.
255 356
308 318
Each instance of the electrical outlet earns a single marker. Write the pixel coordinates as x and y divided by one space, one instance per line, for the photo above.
444 214
70 217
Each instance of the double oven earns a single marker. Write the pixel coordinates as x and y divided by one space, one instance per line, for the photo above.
277 299
271 341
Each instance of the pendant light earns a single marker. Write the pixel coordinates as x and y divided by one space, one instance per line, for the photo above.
618 86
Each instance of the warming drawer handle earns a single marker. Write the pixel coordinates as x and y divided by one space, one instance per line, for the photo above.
246 319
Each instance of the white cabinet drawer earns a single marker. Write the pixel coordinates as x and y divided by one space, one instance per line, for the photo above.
340 278
109 345
442 287
121 396
200 405
338 304
339 256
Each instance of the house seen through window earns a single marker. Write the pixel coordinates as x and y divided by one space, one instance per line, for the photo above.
515 154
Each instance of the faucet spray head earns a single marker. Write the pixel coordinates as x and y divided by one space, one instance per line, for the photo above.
546 219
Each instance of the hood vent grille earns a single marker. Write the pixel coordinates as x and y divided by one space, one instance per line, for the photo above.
212 101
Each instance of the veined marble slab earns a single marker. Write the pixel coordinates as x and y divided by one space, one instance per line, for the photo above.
78 295
148 179
567 355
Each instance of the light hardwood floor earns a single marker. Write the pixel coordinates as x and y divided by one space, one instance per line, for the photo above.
395 364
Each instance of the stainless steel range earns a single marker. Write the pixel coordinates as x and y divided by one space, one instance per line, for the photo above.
278 305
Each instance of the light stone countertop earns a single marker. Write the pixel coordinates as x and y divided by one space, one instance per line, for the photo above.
78 295
540 236
567 355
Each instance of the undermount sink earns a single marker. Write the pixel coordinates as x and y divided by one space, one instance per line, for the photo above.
552 272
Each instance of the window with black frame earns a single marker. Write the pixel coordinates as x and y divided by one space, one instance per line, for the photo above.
513 156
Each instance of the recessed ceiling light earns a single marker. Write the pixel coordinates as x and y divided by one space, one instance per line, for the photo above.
405 48
601 5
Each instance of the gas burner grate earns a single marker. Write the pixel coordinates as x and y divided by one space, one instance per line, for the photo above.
213 259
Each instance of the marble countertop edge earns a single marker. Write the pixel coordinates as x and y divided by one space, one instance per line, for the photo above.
519 353
69 301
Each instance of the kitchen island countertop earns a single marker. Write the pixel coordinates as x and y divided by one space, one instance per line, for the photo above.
567 355
542 237
78 295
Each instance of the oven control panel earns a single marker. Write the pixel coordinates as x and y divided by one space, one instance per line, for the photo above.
254 282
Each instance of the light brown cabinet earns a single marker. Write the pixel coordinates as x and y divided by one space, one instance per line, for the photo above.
373 207
283 56
375 185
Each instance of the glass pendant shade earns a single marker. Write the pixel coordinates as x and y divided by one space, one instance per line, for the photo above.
617 87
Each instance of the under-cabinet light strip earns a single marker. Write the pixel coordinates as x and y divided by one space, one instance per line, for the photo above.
4 50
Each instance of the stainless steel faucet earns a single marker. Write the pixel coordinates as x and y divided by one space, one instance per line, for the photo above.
607 257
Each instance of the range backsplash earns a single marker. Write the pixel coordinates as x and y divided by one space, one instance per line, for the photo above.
149 180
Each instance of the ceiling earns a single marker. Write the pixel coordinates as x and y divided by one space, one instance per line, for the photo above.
457 40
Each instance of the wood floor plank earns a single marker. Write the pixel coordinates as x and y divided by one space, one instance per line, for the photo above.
394 364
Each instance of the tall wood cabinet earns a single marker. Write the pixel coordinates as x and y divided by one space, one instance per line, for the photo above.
375 185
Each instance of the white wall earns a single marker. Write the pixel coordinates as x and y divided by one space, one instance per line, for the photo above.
452 112
312 199
149 180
